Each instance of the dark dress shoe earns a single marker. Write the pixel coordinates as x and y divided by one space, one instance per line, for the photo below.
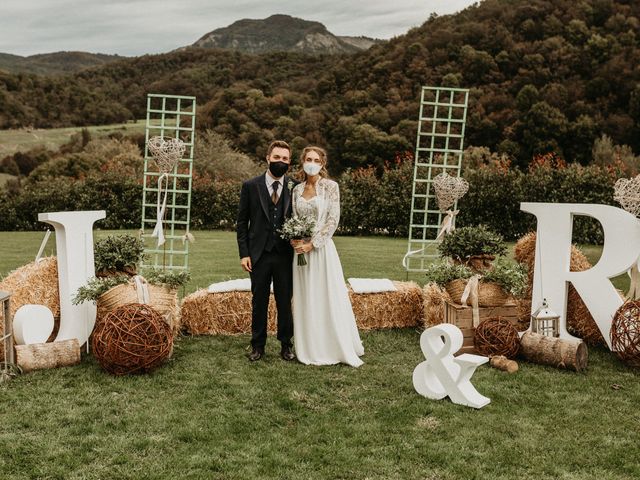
256 354
287 354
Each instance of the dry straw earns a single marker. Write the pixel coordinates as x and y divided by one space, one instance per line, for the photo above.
224 313
435 299
400 309
34 283
579 319
489 294
229 313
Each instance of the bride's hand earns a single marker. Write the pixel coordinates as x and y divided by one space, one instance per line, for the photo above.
304 247
295 243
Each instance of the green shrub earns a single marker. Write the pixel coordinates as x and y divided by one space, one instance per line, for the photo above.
466 242
118 253
496 191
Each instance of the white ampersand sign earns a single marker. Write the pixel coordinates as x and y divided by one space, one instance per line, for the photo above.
442 374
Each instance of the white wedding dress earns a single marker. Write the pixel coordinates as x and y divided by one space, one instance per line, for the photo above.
325 331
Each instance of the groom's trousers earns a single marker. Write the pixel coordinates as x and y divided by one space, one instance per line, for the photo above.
270 266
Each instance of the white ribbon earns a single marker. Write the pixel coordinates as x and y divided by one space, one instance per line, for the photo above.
42 245
448 224
634 273
161 207
471 291
406 257
188 237
142 289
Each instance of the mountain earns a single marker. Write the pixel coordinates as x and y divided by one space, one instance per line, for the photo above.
54 63
543 75
282 33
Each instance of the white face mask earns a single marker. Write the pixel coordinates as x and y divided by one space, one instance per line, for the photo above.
312 168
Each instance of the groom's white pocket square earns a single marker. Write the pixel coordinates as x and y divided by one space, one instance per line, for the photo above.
372 285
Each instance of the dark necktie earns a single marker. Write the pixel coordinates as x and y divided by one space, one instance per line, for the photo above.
274 195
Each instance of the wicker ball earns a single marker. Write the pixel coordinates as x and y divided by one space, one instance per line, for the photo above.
133 338
625 333
496 336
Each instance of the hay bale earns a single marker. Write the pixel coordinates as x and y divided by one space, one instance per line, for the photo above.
225 313
579 320
400 309
435 299
229 313
34 283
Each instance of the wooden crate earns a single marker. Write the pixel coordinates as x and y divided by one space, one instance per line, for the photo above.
462 317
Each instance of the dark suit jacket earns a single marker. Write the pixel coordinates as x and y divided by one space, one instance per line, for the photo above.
253 224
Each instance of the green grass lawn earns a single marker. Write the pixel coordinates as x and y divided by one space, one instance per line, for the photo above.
20 140
210 414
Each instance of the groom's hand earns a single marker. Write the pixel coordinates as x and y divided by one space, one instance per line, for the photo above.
245 262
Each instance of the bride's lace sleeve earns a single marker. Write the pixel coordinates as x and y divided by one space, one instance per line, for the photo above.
294 200
329 222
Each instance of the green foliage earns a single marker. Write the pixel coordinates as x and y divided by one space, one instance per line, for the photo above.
121 253
167 278
96 287
465 242
214 205
543 77
214 156
377 203
510 275
444 271
496 191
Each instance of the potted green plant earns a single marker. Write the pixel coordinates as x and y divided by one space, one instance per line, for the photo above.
475 247
505 279
117 255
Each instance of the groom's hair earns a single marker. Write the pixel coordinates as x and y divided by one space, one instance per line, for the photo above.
278 144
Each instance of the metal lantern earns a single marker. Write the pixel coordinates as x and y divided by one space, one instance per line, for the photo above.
545 321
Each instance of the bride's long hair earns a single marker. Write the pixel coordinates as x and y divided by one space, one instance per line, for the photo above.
302 175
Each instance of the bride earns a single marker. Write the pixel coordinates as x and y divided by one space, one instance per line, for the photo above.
325 331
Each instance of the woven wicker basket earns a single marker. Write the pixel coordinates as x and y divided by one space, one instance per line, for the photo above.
478 263
162 299
489 294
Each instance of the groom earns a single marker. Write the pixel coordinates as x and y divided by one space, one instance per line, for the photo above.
265 203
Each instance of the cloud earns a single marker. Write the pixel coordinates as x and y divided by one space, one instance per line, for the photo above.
136 27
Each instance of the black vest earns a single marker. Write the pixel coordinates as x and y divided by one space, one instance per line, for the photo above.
276 220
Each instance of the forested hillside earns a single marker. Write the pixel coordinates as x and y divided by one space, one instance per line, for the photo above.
545 76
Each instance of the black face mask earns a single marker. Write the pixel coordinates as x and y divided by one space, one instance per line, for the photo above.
278 169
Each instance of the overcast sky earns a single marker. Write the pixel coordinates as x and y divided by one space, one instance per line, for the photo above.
136 27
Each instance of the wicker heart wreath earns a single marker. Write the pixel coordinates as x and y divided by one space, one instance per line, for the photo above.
167 152
626 192
449 189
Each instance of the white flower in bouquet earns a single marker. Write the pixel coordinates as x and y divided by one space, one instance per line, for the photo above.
298 228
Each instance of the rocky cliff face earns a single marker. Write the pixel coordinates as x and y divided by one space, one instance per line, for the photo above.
282 33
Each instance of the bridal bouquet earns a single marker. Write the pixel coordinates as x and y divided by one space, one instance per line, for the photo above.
298 228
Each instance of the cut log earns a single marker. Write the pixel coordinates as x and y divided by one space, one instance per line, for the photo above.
37 356
559 353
